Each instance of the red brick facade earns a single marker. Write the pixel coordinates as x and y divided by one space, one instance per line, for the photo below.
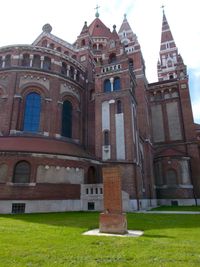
116 117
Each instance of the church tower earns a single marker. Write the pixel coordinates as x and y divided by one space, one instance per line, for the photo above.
173 130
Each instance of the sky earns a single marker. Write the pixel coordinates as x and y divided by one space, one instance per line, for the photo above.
22 21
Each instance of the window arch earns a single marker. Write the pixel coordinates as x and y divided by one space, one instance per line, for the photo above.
171 177
91 177
47 63
32 112
67 119
116 85
107 86
22 172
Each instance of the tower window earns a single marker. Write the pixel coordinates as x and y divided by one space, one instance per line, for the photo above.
67 119
112 58
26 60
64 69
107 86
116 85
119 106
32 112
106 138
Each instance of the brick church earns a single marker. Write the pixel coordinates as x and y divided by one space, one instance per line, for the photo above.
67 110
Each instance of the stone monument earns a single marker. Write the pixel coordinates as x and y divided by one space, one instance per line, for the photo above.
112 220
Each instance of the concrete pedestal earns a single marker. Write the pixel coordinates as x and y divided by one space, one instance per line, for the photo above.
113 223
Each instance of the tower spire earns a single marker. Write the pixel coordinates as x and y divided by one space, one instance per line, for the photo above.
168 52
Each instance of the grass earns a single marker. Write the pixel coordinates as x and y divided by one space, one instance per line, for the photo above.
177 208
55 240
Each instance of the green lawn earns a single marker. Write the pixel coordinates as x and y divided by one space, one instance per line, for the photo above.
55 240
177 208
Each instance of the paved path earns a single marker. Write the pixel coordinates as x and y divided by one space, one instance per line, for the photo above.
168 212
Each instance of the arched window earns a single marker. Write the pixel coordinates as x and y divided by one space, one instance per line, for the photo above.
100 47
22 172
171 177
64 68
83 42
119 106
59 49
32 112
107 86
112 58
51 46
94 46
66 53
91 177
74 57
71 72
1 62
36 61
67 119
47 63
116 85
8 61
44 43
106 138
26 60
171 76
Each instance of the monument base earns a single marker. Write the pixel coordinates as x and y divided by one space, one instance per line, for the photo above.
113 223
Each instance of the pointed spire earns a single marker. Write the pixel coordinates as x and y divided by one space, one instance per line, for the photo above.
168 52
125 32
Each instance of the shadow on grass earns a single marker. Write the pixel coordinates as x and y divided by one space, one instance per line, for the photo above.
90 220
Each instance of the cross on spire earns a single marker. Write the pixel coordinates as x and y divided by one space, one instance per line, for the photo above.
163 8
97 11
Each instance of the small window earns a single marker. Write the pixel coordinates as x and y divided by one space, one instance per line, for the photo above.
64 69
106 138
112 58
119 106
59 49
71 72
47 63
116 85
8 61
36 61
26 60
90 205
22 172
83 42
18 208
51 46
107 86
44 43
1 62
